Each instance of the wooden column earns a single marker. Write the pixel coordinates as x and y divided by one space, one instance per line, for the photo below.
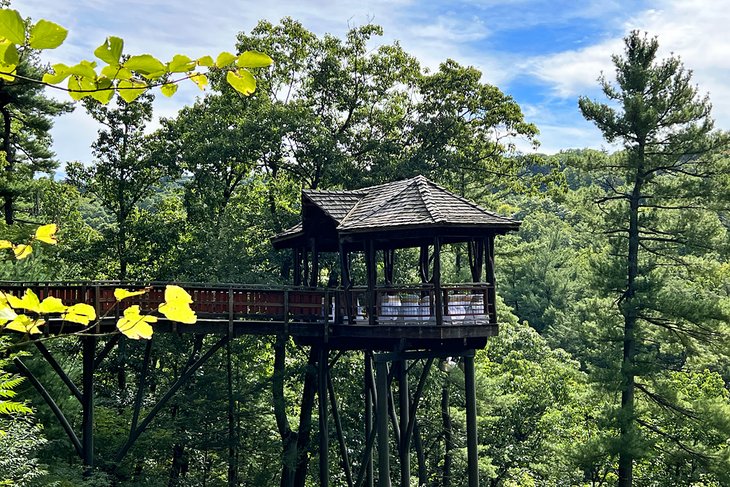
346 283
297 281
314 278
371 276
404 447
324 472
439 311
87 400
423 264
388 263
471 420
491 292
368 416
381 376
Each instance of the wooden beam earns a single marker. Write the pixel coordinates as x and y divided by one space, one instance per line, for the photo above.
88 346
404 445
471 421
381 379
323 372
58 370
439 311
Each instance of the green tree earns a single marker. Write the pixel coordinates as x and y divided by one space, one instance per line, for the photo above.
655 218
125 170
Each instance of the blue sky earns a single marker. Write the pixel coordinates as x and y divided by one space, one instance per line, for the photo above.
543 53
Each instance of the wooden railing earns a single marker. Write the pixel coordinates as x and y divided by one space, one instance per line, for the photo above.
406 305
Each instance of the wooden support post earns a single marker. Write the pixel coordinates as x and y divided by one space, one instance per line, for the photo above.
345 282
381 378
491 291
314 278
324 473
439 311
371 275
87 400
297 254
404 447
59 371
368 416
471 420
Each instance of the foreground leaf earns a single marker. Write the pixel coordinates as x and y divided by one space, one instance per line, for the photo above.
241 81
81 313
110 51
12 26
22 251
147 65
253 59
130 90
25 324
47 233
177 305
52 305
121 294
47 35
28 302
134 325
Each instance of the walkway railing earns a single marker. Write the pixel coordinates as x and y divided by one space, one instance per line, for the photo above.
394 305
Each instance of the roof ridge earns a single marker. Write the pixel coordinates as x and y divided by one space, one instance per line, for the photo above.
427 200
410 181
470 203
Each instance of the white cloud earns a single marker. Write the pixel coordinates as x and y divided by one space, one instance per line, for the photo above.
696 31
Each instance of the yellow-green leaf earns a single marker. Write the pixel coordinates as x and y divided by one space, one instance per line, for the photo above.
22 251
104 90
47 233
241 81
12 26
9 53
51 304
206 61
147 65
81 313
60 73
168 89
6 71
6 244
74 88
47 35
181 64
177 305
116 72
200 80
25 324
130 90
110 51
224 59
28 302
7 313
121 294
253 59
134 325
84 69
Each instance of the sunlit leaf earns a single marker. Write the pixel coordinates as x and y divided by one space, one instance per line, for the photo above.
25 324
134 325
116 72
110 51
60 73
47 35
104 90
121 294
181 64
253 59
177 305
147 65
168 89
224 59
130 90
12 26
206 61
81 313
9 53
84 69
6 244
74 88
200 80
7 313
22 251
6 71
47 233
28 302
52 304
241 81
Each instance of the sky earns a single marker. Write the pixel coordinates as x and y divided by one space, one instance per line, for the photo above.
543 53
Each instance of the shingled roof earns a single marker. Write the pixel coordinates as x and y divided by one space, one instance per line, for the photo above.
415 203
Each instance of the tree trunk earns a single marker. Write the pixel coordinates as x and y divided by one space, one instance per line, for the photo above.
232 439
630 312
447 433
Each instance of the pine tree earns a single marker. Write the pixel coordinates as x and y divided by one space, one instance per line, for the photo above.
657 223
